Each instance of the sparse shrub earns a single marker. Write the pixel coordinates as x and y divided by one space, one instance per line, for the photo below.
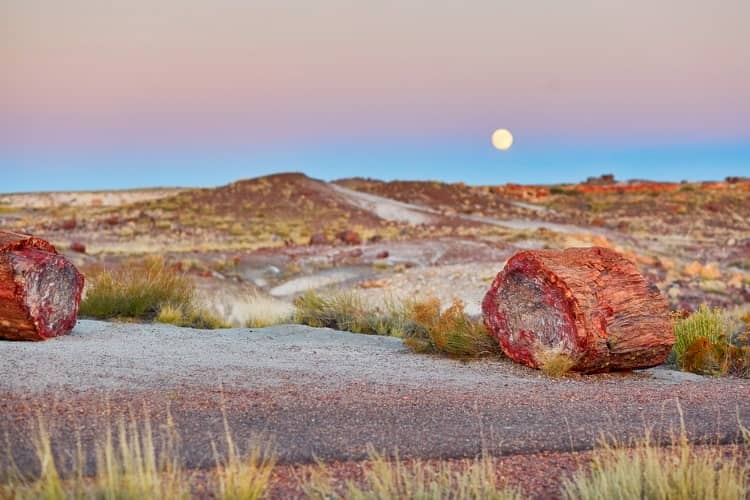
422 324
151 290
705 322
649 471
190 316
136 291
704 345
563 191
265 311
385 479
348 311
450 332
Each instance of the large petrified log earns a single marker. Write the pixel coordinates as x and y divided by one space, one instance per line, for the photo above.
39 289
589 304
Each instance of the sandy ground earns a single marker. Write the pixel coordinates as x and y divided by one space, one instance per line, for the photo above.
328 394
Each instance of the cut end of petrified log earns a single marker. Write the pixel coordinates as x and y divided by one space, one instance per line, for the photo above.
40 290
589 304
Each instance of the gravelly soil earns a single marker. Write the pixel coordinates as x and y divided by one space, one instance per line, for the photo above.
327 394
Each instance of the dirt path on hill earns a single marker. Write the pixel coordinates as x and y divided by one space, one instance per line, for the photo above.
327 394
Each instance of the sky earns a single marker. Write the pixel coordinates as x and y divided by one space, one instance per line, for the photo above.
120 94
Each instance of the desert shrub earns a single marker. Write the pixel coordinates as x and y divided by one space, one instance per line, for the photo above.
449 332
650 471
150 290
563 191
423 325
704 323
349 312
190 316
137 291
470 479
703 344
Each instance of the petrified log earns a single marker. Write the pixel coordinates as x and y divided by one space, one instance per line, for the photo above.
589 304
39 289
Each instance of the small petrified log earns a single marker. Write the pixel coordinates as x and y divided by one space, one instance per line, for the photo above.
589 304
39 289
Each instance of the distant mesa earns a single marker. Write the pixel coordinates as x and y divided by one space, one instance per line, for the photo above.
602 180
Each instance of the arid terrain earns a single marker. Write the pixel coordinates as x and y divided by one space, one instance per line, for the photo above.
321 394
284 234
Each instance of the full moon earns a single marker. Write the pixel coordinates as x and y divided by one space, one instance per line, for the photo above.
502 139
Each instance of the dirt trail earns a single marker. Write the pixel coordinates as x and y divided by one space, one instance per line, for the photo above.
318 392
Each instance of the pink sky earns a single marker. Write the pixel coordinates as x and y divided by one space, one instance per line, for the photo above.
86 72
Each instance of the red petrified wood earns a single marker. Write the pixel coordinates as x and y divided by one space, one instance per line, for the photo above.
39 289
590 304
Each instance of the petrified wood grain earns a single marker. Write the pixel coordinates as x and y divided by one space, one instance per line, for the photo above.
39 289
590 304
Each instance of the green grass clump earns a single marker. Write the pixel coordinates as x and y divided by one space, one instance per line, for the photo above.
704 323
150 290
349 312
648 471
190 316
704 345
423 325
137 291
384 479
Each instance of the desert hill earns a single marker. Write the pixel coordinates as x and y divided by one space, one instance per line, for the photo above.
691 239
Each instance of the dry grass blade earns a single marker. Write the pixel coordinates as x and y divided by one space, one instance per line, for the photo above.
242 476
389 479
128 467
661 473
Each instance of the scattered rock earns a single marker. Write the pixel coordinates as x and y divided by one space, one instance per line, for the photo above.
319 239
78 247
349 237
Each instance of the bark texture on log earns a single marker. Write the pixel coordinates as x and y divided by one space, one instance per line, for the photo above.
590 304
39 289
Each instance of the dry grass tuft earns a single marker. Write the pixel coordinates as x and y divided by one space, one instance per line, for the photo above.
553 362
265 311
384 479
660 473
449 332
242 476
348 311
423 325
190 316
150 290
137 291
128 467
